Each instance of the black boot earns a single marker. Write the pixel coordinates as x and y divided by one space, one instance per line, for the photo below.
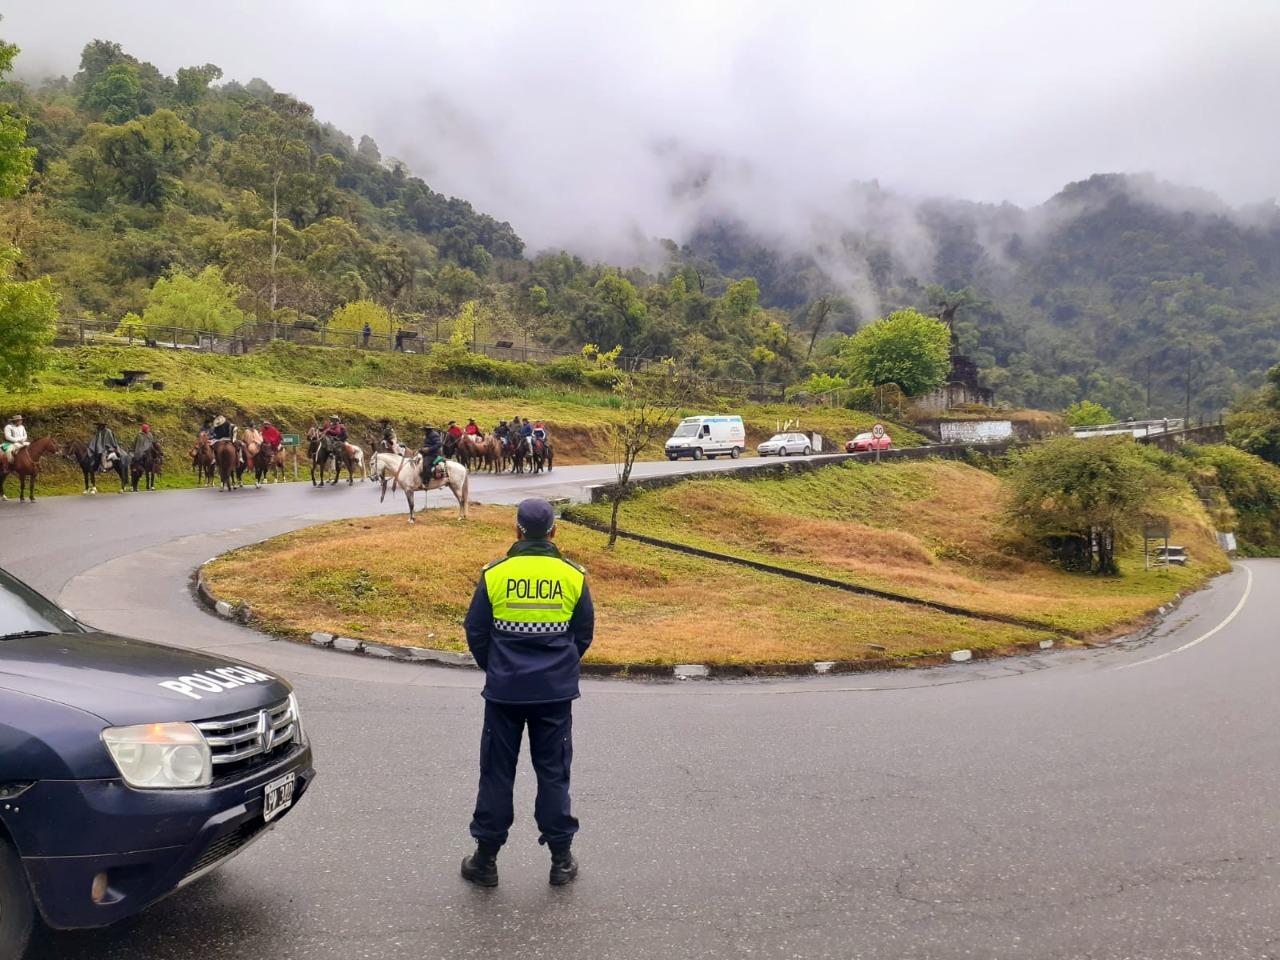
563 865
481 868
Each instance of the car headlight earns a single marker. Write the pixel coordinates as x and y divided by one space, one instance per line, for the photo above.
298 736
160 756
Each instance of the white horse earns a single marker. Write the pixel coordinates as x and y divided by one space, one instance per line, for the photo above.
406 473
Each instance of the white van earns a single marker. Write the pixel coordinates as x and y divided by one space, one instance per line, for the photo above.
708 437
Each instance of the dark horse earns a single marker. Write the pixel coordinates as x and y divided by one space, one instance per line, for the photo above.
26 464
230 466
78 451
543 455
266 460
203 462
147 465
322 448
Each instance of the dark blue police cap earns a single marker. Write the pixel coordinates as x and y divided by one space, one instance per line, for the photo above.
535 517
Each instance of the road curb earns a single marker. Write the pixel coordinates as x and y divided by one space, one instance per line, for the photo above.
242 613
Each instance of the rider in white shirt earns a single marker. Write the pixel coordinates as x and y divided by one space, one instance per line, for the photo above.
15 435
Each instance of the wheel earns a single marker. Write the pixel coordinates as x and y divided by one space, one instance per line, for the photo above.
673 457
697 453
712 456
735 453
808 450
782 452
17 913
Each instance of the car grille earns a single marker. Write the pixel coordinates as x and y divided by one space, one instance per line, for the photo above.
238 741
225 847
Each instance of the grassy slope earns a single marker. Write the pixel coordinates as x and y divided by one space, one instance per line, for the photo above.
394 583
927 529
296 386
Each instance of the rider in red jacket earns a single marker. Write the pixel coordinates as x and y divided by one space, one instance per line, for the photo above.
336 429
271 436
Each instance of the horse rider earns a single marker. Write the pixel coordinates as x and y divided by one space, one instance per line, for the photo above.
526 434
502 431
432 456
454 430
224 431
336 429
271 436
540 432
104 447
145 442
252 438
473 429
15 437
389 440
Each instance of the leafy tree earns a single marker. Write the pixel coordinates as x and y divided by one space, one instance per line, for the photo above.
28 311
1081 498
117 96
203 302
193 82
353 316
148 155
906 348
1086 413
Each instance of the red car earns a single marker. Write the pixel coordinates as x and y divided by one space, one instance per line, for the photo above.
866 441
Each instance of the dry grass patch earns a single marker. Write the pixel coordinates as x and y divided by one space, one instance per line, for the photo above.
931 530
382 580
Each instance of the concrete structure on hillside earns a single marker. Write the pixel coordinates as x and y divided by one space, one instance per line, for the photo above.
962 387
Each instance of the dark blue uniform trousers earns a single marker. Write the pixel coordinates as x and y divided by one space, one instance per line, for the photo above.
551 746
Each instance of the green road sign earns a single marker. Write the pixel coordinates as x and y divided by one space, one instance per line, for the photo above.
290 440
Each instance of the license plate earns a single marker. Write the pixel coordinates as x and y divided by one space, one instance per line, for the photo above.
278 796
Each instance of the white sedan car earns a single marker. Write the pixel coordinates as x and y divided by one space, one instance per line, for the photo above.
785 444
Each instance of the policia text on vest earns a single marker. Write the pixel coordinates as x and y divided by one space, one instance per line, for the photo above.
531 620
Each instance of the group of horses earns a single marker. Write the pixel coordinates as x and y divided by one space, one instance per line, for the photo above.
499 454
131 470
225 462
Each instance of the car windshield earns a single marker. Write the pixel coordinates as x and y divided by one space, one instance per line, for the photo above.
686 430
778 438
863 436
23 611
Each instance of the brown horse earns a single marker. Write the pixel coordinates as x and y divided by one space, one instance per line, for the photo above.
266 460
469 450
230 467
26 464
203 461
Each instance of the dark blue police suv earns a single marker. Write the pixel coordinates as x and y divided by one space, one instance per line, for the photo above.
127 769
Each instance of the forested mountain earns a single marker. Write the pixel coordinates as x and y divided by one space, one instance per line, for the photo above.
1115 289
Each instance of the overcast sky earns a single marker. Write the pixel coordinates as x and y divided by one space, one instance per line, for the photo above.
575 120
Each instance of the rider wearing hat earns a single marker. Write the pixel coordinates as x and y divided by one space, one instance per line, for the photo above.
15 436
271 436
104 446
144 442
473 429
336 429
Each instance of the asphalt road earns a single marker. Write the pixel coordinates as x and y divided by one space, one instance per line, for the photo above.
1110 803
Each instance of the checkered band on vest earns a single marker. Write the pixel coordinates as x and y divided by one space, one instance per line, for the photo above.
527 629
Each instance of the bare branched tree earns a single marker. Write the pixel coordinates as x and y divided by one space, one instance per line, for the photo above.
651 404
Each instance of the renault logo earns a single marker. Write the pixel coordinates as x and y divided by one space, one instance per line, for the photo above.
264 731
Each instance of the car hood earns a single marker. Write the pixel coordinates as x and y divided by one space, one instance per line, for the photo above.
127 681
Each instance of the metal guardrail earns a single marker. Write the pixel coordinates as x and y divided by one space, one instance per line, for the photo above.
83 332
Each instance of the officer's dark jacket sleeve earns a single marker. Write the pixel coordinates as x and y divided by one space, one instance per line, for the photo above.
478 624
583 623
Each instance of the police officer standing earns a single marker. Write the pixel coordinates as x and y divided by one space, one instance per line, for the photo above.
530 622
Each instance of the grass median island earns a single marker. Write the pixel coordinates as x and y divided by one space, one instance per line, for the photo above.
382 580
297 386
931 530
